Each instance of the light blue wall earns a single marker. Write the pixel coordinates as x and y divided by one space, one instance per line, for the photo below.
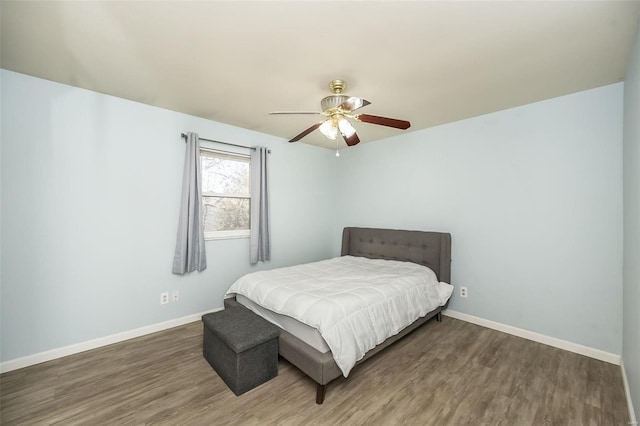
533 199
90 195
90 189
631 309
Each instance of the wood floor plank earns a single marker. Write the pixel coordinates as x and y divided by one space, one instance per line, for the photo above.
449 373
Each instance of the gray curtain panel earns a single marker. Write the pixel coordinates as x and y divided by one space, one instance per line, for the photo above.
190 253
260 243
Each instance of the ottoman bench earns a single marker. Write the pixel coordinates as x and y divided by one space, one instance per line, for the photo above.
242 347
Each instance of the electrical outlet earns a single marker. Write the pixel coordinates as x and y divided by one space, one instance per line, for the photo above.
164 298
463 292
175 296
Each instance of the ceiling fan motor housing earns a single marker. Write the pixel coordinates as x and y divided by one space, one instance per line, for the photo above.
332 101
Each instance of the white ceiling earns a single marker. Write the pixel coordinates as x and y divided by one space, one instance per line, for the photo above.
233 62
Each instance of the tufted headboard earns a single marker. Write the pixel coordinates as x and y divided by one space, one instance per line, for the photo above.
432 249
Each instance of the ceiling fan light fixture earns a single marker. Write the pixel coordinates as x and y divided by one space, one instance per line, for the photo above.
337 107
345 127
329 129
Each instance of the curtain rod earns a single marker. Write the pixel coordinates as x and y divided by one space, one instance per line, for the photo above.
184 135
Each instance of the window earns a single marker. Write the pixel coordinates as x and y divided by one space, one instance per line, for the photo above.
226 196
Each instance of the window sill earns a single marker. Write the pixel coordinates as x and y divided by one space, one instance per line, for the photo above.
227 235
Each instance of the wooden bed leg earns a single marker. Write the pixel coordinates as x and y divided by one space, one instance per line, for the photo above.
320 393
439 317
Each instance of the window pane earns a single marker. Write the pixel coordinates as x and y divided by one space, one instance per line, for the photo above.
226 175
225 214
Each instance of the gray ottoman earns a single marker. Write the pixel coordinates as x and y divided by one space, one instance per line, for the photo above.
242 348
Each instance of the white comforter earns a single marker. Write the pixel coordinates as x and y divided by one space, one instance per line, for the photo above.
355 303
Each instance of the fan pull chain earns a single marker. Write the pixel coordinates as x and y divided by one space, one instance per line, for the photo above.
337 152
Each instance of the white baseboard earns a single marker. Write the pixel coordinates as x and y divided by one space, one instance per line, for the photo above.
536 337
627 393
49 355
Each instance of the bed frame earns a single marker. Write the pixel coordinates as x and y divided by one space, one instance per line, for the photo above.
432 249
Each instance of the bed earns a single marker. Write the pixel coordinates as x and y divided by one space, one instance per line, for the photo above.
431 249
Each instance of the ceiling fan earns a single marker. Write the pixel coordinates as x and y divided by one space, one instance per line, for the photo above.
338 107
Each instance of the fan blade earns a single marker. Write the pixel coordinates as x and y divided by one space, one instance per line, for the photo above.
306 132
295 112
351 140
383 121
353 104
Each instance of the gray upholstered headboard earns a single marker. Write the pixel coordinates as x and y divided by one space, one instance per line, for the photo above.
432 249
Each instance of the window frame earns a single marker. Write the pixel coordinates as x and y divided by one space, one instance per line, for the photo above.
229 234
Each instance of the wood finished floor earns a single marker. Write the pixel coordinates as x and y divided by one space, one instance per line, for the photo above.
449 373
